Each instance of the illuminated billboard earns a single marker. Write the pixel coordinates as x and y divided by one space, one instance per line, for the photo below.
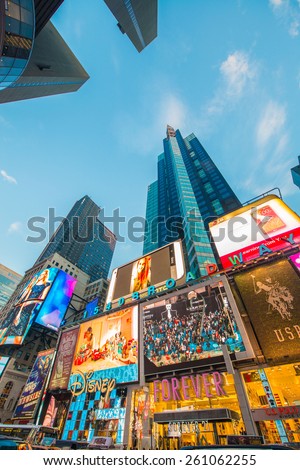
107 348
3 362
91 308
265 226
295 259
32 392
271 295
64 359
189 328
57 301
18 321
44 300
146 275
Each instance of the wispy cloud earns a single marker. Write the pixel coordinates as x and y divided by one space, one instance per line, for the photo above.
15 227
237 72
6 177
289 13
271 123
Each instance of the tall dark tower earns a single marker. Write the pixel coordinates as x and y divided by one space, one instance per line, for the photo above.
190 191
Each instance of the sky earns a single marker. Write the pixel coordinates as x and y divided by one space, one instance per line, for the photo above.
226 70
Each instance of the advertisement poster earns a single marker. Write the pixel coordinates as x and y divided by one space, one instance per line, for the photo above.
265 226
271 295
30 398
191 327
3 362
108 345
64 358
151 270
18 321
55 305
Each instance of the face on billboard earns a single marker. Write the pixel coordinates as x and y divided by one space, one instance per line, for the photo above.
190 327
263 227
55 305
153 269
108 345
29 400
18 321
271 295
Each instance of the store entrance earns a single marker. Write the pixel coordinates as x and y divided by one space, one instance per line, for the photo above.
174 435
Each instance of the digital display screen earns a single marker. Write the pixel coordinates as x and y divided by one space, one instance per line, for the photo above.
90 308
109 343
18 321
153 269
3 362
265 226
55 305
183 330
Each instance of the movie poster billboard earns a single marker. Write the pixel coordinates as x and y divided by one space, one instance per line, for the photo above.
64 359
271 295
20 318
188 328
153 269
44 300
106 349
54 307
33 390
265 226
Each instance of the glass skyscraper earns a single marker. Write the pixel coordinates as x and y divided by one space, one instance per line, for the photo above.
190 191
84 240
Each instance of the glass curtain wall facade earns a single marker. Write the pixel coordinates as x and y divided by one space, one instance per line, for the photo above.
83 240
189 192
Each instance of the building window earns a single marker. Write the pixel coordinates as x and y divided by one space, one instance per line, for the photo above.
5 392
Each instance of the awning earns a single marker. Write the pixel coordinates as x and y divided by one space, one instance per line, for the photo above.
211 414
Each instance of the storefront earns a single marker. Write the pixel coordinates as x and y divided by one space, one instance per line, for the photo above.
274 397
185 410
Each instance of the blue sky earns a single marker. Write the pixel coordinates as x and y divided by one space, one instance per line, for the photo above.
227 70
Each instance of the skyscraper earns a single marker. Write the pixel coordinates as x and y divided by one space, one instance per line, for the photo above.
8 282
84 240
189 192
35 61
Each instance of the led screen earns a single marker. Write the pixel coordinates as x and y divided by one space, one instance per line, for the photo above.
55 305
18 321
153 269
108 345
190 327
271 295
254 230
295 259
31 395
3 362
91 308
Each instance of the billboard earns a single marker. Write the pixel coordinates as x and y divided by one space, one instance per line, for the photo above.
63 361
54 307
106 349
44 300
32 392
91 308
271 295
265 226
295 259
146 275
3 363
188 329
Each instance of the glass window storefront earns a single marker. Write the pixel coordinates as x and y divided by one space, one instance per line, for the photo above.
186 410
274 397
